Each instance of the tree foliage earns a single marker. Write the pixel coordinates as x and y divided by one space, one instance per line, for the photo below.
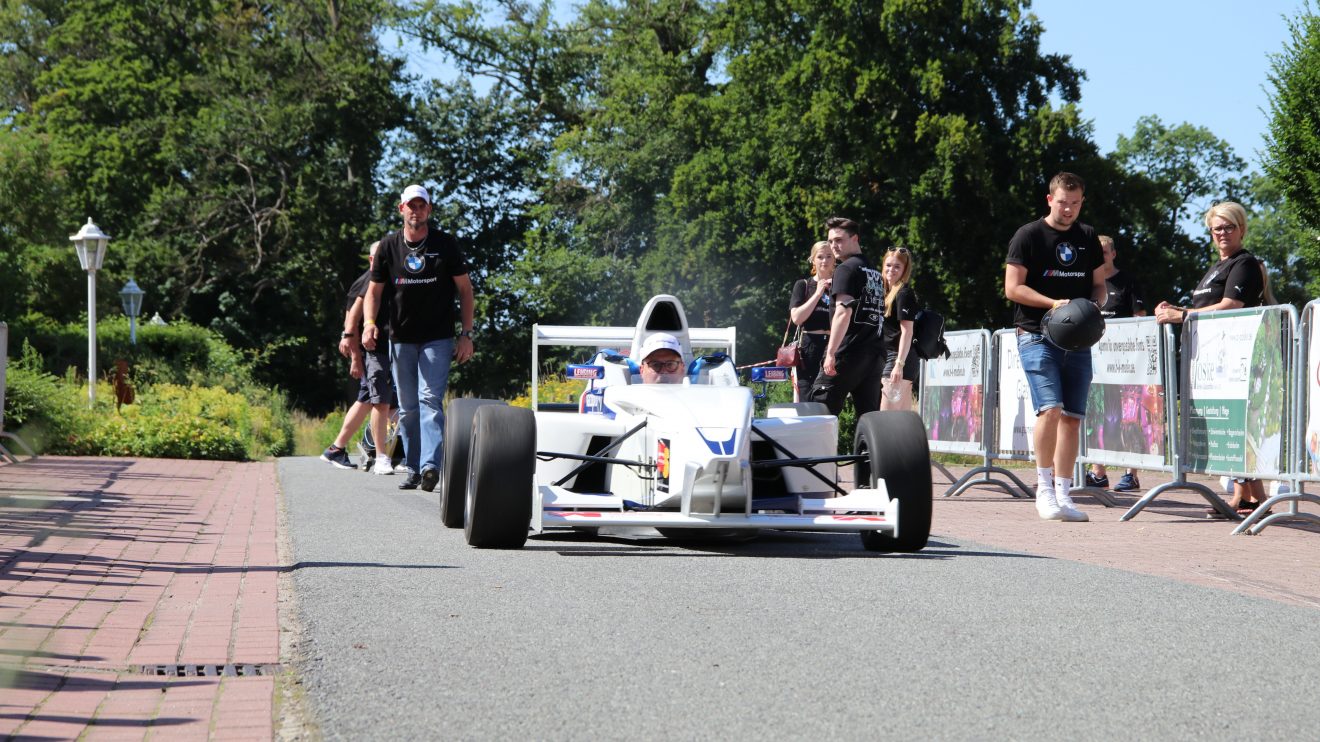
229 148
243 154
1293 149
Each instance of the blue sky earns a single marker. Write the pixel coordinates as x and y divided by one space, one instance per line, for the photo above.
1205 62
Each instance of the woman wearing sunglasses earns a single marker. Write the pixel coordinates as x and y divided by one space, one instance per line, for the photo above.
809 308
901 369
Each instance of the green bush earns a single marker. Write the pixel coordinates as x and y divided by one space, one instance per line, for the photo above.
178 353
166 420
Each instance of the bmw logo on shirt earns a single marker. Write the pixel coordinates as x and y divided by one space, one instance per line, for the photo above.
1066 253
414 263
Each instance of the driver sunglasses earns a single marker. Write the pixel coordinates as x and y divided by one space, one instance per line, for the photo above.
664 367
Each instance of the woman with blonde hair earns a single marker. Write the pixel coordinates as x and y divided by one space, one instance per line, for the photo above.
901 369
809 308
1237 280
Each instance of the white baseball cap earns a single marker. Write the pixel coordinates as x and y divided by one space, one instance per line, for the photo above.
414 191
658 341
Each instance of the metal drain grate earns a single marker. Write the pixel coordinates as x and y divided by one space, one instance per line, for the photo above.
209 671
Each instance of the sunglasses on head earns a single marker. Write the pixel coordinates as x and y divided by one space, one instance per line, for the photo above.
900 250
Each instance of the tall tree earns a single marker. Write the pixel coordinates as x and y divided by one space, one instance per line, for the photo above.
1293 145
228 147
704 142
1171 176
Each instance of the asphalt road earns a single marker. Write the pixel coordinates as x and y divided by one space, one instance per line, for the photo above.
411 634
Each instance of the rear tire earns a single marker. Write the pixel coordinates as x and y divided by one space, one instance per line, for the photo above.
894 443
458 447
500 478
803 409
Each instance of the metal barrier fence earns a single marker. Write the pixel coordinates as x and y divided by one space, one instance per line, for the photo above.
1129 417
5 455
1242 400
1302 462
1235 384
955 392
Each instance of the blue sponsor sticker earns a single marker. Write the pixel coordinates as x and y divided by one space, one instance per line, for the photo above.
585 371
770 373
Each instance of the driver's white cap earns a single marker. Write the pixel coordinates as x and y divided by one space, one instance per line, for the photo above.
414 191
658 340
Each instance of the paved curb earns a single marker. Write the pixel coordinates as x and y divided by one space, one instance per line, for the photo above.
1170 538
138 596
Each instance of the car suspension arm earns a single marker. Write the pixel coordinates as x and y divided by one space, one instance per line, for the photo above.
600 456
795 460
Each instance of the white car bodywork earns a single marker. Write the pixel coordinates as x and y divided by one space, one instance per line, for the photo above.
686 456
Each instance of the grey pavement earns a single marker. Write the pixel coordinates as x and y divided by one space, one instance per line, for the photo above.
407 633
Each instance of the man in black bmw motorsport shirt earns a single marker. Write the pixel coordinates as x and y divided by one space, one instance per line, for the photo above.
426 271
1050 262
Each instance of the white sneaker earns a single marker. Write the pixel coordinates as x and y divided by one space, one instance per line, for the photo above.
1046 506
403 468
382 467
1068 509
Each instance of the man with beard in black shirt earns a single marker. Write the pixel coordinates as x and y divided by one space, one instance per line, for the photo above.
426 272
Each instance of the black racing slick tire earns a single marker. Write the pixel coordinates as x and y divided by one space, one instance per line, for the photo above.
896 451
802 409
501 475
458 447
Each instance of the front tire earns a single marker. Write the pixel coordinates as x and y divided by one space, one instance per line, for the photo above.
894 443
500 477
458 445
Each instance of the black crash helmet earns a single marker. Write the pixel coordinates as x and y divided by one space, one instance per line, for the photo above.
1076 325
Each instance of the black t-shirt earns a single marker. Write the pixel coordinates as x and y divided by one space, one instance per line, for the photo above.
359 290
819 319
905 308
1124 298
856 278
1059 265
1237 277
421 282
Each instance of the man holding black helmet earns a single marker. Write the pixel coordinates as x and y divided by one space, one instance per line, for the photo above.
1052 261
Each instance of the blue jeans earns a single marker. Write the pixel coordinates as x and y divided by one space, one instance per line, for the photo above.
421 374
1056 377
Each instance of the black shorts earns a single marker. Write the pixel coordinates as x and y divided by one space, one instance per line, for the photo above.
911 367
377 386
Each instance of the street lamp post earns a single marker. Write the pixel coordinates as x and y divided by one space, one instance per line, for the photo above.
90 244
131 297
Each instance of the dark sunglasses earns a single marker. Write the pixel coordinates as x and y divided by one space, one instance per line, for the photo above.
900 250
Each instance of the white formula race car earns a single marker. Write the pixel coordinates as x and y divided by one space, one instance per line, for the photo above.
680 458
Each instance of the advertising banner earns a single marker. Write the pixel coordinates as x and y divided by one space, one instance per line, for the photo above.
1236 375
1125 421
953 398
1017 418
1312 393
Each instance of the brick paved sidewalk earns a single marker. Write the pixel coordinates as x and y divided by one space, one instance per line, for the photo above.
138 598
1170 538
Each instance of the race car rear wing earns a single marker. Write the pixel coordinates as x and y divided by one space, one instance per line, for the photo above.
620 338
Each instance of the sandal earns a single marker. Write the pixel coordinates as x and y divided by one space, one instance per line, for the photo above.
1247 508
1212 514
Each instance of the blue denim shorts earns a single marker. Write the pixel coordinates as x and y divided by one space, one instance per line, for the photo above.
1056 377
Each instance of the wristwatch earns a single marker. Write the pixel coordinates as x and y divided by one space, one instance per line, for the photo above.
465 334
347 334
